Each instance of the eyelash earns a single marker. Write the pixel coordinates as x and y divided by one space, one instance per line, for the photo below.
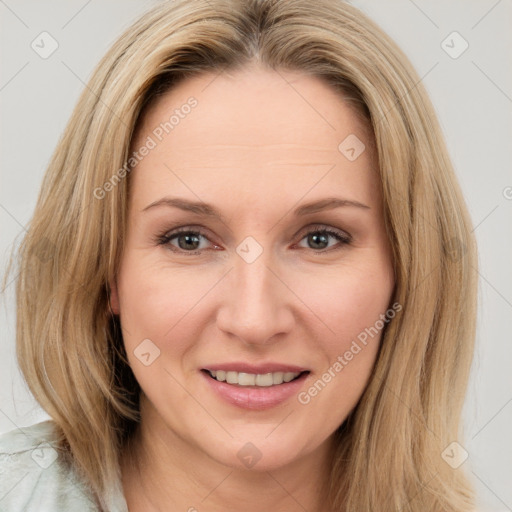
165 239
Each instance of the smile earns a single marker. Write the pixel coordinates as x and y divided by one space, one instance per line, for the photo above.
253 379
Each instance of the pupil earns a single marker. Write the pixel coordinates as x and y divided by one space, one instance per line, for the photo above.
194 239
322 239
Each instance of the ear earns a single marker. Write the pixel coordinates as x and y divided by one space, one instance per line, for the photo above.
114 297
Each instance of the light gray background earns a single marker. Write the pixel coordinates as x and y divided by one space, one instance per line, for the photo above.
472 95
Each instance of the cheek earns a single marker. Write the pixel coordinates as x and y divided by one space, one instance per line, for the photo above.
165 305
350 303
348 300
155 305
352 308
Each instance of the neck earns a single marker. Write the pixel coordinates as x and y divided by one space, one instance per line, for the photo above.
159 468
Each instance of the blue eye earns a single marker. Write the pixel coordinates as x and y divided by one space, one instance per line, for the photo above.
189 240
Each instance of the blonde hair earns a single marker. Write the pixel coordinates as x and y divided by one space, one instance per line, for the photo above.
69 345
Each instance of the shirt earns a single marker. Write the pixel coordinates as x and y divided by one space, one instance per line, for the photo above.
35 477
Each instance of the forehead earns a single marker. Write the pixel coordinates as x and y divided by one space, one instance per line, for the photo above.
255 128
256 106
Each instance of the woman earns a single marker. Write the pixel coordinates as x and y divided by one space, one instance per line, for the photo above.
247 282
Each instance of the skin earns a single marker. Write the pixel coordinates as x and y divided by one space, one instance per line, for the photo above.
258 144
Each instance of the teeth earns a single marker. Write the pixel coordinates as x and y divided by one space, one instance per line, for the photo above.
288 376
251 379
232 377
277 378
246 379
264 380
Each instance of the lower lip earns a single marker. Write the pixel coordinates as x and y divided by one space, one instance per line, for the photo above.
255 398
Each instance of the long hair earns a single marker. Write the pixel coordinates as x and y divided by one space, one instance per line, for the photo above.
389 451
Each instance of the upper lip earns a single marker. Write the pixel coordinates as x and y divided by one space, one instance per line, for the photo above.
258 369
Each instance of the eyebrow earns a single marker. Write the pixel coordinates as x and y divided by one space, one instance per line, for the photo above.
207 210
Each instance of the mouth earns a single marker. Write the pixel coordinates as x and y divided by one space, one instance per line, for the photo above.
256 380
255 388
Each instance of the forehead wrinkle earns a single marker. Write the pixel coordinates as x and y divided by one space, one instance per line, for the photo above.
276 151
258 146
274 164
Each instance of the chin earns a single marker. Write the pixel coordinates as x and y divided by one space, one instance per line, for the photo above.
259 454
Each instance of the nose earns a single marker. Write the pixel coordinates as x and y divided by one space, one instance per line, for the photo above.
256 306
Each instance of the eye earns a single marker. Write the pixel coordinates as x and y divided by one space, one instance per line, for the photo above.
188 241
318 237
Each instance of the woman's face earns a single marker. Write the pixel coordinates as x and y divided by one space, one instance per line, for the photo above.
282 270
